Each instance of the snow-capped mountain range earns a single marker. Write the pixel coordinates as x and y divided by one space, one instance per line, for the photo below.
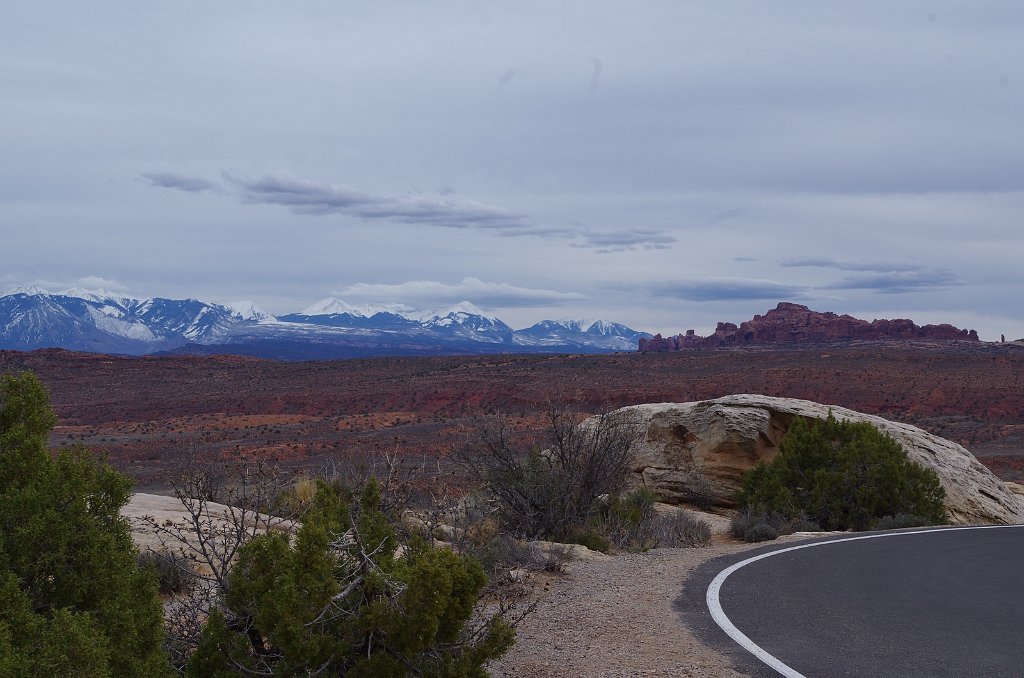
105 322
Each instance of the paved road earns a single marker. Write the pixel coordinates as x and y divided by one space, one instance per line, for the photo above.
946 602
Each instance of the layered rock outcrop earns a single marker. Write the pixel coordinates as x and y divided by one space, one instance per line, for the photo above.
693 449
796 324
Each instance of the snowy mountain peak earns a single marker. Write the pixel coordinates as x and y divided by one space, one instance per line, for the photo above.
30 290
574 325
333 306
463 307
100 296
370 310
249 310
102 321
329 306
603 327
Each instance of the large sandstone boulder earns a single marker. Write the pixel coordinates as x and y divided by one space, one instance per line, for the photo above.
690 449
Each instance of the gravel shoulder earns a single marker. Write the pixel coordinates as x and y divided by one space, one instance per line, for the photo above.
614 616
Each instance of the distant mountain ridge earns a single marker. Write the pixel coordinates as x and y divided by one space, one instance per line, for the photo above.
103 322
793 324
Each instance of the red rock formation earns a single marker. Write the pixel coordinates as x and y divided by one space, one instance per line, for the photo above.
795 324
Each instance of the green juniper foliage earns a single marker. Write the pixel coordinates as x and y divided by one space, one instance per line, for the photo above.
73 601
336 600
842 475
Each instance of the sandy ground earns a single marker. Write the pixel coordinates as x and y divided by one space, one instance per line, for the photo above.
613 617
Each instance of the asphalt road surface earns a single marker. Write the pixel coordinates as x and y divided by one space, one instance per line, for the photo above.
944 602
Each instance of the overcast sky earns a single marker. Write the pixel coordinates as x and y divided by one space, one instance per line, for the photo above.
661 164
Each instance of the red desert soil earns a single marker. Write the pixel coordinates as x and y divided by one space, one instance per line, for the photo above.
143 411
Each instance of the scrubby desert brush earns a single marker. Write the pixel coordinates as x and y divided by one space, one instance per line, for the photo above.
571 488
681 529
368 540
548 491
174 573
753 524
503 553
631 522
294 496
338 598
700 491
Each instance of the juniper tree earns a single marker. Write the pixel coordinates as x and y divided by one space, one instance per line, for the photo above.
73 600
338 599
842 475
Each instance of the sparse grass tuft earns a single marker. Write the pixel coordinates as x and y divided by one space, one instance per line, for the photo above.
753 525
630 522
503 552
173 571
682 529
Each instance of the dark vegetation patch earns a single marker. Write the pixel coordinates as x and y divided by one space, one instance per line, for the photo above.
839 475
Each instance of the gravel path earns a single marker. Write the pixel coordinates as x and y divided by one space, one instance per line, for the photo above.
613 616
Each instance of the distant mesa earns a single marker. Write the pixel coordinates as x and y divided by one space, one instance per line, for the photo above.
796 324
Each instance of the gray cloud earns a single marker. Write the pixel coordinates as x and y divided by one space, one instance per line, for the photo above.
595 73
879 276
897 282
319 199
427 293
182 182
839 265
724 289
627 240
507 77
92 283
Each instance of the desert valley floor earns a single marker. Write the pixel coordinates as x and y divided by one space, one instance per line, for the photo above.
143 411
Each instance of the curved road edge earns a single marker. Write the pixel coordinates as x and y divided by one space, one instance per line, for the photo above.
701 611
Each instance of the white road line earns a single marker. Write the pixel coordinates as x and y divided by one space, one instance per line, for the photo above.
718 614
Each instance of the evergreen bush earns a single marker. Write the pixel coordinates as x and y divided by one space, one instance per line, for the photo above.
337 600
842 475
73 599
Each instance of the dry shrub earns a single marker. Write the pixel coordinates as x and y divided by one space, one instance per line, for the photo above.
294 497
681 529
504 553
174 572
548 493
753 525
630 522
